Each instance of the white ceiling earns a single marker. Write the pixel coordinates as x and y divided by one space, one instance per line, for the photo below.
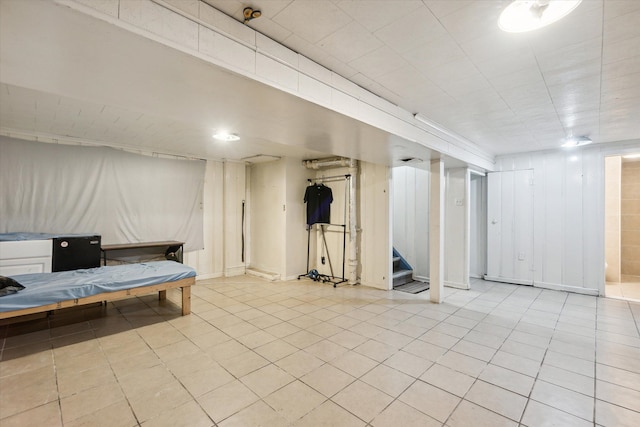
448 60
64 73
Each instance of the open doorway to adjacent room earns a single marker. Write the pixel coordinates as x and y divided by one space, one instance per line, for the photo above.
622 226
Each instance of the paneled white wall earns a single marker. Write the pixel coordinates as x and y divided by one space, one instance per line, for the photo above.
411 217
374 219
568 215
456 235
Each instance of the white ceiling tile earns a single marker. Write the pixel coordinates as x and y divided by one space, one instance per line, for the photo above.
442 8
614 8
375 14
621 68
496 44
620 50
380 61
518 77
621 27
584 23
475 19
570 56
410 32
406 81
449 73
436 52
269 27
230 7
570 74
312 20
350 42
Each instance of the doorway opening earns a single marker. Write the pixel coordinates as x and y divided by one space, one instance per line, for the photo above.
622 227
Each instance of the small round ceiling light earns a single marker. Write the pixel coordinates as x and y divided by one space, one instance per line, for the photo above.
226 136
529 15
577 141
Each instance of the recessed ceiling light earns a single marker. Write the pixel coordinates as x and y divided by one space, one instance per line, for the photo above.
225 136
577 141
528 15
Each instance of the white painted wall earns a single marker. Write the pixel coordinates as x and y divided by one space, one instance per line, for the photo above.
267 216
209 261
568 225
374 217
478 226
411 217
456 223
234 194
295 256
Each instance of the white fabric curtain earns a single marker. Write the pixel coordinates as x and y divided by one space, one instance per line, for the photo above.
124 197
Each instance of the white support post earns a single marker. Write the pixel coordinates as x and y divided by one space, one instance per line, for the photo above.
436 231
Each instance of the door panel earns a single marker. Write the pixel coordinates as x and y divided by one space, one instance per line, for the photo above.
510 226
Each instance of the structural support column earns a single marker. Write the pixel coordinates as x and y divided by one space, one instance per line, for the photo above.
436 231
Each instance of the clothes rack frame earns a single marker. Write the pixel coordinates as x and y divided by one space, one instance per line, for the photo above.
324 278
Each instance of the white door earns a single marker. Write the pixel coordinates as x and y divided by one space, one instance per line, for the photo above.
510 226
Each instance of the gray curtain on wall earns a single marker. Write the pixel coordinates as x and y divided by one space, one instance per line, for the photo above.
125 197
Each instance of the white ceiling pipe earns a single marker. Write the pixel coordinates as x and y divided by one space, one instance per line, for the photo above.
353 246
326 163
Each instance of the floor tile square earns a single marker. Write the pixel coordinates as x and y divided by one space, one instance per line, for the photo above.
401 414
538 414
354 364
225 401
266 380
447 379
430 400
329 414
566 400
327 379
408 363
496 399
470 414
258 414
295 400
388 380
362 400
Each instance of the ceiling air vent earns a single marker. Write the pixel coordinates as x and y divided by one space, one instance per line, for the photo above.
409 160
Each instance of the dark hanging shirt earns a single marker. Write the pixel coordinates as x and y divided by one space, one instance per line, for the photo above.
318 198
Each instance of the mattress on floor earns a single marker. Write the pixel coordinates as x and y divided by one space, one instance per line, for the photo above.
49 288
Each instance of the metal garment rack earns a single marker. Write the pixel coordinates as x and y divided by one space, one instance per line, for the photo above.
335 280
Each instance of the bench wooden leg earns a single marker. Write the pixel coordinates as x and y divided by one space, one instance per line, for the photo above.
186 300
162 295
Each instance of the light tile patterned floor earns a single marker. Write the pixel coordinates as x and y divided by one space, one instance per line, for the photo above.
302 353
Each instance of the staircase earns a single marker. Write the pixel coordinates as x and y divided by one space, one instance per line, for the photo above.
402 271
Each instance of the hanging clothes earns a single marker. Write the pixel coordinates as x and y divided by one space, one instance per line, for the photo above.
318 198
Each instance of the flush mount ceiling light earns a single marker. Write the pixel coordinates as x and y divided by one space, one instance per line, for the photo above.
577 141
225 136
528 15
632 156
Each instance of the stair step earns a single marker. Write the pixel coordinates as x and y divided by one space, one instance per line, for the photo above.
401 277
402 273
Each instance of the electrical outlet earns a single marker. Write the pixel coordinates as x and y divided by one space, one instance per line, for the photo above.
521 256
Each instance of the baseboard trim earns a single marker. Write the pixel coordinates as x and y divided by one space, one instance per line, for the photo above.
263 274
545 285
208 276
457 285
